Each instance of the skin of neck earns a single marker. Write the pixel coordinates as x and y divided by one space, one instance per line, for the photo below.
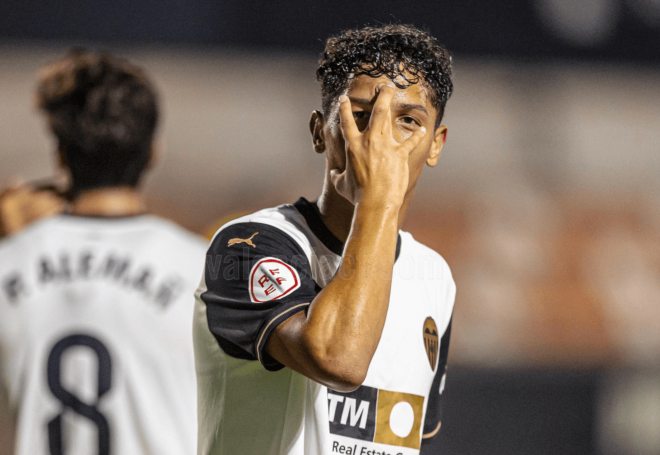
108 202
337 211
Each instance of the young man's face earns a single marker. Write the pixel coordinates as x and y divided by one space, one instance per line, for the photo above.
411 109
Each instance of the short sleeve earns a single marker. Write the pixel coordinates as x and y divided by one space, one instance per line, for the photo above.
434 408
256 276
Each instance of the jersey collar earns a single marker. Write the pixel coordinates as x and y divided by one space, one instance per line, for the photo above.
310 211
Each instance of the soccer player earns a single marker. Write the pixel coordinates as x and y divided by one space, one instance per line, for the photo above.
320 327
95 305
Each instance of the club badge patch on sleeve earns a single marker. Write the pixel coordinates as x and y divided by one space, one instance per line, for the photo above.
271 279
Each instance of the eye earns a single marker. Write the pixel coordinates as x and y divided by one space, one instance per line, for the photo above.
361 119
408 120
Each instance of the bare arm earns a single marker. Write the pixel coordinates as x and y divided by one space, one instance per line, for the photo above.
23 205
335 341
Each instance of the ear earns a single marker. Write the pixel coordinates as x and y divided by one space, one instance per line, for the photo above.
439 139
316 124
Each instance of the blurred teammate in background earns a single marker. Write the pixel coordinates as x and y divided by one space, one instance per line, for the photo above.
320 327
95 304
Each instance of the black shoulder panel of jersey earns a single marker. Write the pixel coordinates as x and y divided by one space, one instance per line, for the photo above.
434 408
256 276
310 211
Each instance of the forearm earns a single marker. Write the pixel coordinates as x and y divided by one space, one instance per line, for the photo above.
346 319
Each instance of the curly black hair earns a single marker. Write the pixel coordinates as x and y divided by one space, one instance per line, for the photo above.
103 111
401 52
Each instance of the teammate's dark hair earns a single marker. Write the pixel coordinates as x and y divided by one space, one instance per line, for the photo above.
403 53
103 111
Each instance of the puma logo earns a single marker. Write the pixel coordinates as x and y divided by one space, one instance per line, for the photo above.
248 241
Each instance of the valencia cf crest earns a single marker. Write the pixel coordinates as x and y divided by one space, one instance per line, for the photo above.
431 341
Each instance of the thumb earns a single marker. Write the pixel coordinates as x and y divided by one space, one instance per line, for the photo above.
336 176
339 181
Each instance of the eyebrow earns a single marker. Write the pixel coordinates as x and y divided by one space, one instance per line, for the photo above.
404 106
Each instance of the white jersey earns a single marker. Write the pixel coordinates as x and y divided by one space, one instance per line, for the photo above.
95 335
265 267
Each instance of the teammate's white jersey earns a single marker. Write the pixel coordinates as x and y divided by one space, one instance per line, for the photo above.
95 335
265 267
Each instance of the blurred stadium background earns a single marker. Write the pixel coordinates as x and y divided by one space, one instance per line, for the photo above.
546 201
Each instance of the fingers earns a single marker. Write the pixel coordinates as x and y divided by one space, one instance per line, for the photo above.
413 141
381 116
349 128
